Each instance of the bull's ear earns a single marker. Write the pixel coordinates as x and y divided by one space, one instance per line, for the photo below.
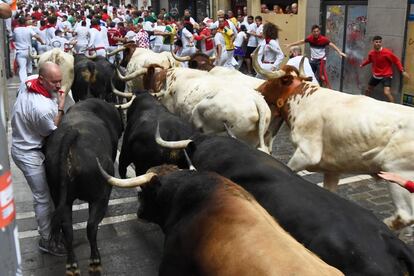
152 185
287 80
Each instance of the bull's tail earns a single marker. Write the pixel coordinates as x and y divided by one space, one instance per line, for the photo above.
263 124
64 168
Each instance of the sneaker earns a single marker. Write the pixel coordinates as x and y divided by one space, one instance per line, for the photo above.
53 248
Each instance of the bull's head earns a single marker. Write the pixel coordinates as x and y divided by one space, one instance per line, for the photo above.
129 50
199 61
150 185
155 78
279 82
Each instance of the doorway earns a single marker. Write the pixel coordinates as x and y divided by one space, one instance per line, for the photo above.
344 23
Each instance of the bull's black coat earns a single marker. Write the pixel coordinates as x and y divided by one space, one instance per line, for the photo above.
93 79
139 146
90 129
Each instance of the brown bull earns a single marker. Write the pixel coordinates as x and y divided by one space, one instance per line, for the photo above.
215 227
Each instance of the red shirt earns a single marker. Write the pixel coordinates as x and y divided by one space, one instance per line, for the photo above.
105 17
317 46
382 61
37 15
113 32
207 33
409 185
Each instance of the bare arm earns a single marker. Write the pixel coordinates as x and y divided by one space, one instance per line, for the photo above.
38 38
61 106
331 44
299 42
393 178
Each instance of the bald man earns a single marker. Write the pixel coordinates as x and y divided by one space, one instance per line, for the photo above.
36 114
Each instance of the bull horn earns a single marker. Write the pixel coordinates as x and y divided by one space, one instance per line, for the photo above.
116 51
229 132
125 183
181 59
170 145
31 54
190 164
125 105
268 75
132 75
212 59
120 93
301 68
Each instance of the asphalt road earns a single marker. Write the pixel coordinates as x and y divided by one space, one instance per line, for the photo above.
131 247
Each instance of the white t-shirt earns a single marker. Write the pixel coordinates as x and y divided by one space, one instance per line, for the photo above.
295 61
82 35
32 119
159 39
96 39
58 42
23 38
252 42
241 36
259 31
185 37
130 35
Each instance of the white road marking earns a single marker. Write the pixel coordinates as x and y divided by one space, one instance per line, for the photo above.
82 225
351 179
83 206
305 172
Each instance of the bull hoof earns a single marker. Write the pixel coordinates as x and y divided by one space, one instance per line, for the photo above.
396 222
95 267
72 270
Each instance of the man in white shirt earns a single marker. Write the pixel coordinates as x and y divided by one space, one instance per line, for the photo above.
81 33
97 41
61 42
159 33
36 114
41 32
23 41
295 56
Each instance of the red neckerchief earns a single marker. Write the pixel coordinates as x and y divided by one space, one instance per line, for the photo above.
267 40
43 28
49 26
34 86
96 27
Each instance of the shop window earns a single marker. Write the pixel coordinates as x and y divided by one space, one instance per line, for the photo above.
279 6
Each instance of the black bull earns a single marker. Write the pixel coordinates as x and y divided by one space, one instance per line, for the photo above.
343 234
90 129
139 146
93 79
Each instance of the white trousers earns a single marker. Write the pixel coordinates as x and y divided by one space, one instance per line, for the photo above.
31 164
25 64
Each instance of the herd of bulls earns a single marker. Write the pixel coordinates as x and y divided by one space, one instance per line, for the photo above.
241 212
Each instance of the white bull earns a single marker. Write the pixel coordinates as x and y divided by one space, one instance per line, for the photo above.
137 66
208 102
65 62
337 133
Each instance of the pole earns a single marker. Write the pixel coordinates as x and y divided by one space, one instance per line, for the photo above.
10 258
